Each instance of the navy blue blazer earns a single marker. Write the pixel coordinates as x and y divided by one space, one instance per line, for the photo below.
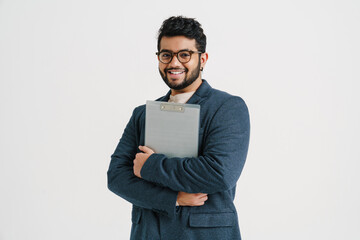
223 145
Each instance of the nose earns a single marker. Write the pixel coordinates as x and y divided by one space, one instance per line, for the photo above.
174 62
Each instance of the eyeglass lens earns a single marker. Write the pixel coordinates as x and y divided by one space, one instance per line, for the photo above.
183 56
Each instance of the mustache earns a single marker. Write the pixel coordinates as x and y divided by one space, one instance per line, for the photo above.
181 69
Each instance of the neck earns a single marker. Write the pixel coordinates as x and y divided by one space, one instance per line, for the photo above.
193 87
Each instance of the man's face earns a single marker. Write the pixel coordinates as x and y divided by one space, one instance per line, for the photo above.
177 75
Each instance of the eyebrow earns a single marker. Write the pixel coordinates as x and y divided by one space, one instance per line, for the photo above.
167 50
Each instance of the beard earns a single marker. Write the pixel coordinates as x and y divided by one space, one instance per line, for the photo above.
188 80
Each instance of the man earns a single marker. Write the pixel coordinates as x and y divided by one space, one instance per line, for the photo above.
184 198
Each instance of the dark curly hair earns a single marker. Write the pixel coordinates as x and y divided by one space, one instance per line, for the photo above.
182 26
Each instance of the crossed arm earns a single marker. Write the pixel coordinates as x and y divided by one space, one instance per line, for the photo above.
183 198
153 181
225 140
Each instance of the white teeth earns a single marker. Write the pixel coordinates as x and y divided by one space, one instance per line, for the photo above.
176 72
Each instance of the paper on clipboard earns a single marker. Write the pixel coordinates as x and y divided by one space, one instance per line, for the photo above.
172 128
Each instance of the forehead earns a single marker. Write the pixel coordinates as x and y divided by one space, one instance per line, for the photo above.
177 43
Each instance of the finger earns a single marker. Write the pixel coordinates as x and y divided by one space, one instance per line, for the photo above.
199 204
146 149
200 194
205 198
202 197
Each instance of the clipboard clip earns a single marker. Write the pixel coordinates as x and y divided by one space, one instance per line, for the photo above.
170 107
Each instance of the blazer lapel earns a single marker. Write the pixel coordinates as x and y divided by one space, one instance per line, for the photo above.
201 93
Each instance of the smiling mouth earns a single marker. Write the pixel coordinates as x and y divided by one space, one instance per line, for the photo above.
176 71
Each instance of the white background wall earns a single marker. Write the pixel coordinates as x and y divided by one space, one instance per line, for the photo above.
72 71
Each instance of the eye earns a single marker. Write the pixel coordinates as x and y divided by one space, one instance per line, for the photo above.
165 55
184 54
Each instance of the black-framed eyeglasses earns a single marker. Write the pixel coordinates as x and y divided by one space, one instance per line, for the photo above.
183 56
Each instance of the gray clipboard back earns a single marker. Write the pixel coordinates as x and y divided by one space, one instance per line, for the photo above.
172 129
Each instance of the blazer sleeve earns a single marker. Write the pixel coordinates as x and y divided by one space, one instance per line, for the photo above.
123 182
219 166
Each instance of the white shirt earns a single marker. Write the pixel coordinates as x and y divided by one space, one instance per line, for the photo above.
181 97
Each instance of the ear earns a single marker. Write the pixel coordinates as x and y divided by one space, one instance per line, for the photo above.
203 59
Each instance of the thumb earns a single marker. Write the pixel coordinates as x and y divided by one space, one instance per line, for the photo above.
146 149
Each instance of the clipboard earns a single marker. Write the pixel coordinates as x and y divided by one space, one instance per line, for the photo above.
172 129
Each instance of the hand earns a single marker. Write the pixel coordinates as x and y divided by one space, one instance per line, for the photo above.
140 159
191 199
